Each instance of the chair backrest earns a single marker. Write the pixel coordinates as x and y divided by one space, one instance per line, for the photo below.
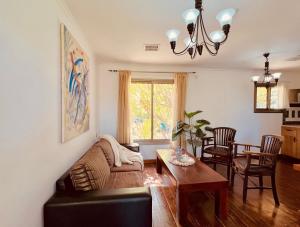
224 136
270 144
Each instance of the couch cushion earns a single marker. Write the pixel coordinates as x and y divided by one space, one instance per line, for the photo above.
127 167
108 152
125 180
91 172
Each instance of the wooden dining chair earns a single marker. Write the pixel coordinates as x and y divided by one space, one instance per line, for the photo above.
219 147
257 164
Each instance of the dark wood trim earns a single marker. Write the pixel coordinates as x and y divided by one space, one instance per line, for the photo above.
150 161
268 109
155 81
291 122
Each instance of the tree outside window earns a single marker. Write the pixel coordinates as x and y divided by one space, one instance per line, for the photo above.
151 104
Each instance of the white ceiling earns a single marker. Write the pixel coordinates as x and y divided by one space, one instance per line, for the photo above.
118 29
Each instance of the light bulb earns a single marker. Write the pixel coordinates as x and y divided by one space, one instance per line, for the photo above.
172 35
255 78
276 75
225 16
189 42
217 36
190 16
268 78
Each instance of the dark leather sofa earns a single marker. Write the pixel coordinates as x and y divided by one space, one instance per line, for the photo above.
91 196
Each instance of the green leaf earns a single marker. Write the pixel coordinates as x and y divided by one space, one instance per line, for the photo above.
201 123
209 129
200 133
204 122
175 134
192 114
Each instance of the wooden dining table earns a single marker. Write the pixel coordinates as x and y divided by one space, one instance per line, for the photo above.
195 178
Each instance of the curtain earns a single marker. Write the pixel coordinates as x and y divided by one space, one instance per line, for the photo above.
123 132
180 83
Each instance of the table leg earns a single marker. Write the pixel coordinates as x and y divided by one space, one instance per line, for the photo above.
181 206
158 166
221 203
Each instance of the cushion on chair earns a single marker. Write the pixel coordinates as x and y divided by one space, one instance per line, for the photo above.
218 150
91 172
107 150
240 164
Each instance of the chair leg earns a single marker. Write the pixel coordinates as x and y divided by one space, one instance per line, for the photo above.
245 189
261 183
274 190
232 177
228 172
215 166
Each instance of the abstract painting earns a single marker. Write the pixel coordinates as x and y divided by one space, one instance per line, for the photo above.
75 78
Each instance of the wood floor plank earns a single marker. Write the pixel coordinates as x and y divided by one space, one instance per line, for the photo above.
258 211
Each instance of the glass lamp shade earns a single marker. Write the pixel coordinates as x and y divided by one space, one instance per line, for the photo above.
217 36
172 35
188 42
276 75
225 16
190 16
255 78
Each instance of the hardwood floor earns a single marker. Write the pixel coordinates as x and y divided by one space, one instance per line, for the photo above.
259 210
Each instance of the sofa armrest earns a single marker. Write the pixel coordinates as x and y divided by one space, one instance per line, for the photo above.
117 207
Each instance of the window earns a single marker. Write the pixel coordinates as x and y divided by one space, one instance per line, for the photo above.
151 110
266 100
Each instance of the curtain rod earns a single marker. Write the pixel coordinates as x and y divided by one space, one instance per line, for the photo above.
115 71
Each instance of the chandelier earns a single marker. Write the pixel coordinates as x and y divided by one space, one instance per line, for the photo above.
195 26
268 78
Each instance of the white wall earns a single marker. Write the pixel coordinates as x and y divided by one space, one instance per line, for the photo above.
225 96
32 157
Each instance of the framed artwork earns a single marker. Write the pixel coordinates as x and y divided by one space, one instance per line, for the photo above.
74 85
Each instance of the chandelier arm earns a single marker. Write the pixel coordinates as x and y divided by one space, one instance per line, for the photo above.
204 29
195 27
221 43
181 52
195 53
206 45
208 49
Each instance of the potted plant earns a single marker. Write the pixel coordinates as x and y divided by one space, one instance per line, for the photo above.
194 130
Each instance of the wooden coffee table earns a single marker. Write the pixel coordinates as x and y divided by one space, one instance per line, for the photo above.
198 177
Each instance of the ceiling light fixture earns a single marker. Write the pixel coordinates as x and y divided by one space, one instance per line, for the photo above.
195 26
268 78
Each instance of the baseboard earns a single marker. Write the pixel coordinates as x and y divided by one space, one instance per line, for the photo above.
150 161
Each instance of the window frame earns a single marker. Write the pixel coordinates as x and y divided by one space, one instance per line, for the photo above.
152 141
268 109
